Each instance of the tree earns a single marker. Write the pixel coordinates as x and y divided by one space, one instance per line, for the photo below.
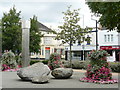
71 30
35 35
11 31
110 13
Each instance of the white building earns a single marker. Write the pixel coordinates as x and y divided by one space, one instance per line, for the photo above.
80 51
107 40
48 44
110 41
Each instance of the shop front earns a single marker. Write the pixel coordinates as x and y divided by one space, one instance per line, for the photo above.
114 52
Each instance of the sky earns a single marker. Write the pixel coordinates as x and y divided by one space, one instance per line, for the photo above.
48 12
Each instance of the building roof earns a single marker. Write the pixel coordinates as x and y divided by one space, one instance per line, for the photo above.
43 27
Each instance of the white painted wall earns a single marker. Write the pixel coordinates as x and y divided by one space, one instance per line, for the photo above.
92 45
101 39
116 41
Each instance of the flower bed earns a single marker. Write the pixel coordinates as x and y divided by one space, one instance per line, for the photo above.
54 61
110 81
7 68
98 71
10 62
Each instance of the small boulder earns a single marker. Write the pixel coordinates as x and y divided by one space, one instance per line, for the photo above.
35 70
62 73
40 80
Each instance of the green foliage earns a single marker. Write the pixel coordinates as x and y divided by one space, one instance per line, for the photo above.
115 66
98 57
110 13
35 35
8 59
76 64
34 61
54 61
18 59
71 30
98 69
45 61
11 31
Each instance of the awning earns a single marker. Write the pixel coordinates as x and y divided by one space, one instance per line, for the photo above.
110 47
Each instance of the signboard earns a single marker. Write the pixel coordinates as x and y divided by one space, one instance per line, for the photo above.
47 48
110 47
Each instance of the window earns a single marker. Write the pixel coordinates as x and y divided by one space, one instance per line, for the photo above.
111 37
42 51
47 40
108 38
32 53
77 54
105 38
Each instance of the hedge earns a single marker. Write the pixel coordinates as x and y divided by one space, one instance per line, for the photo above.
115 66
76 64
36 61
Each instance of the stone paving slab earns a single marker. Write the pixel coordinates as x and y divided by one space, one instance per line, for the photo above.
11 80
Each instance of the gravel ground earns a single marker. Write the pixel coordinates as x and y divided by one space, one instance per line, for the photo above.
11 80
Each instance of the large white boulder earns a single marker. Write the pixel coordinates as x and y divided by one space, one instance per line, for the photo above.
40 80
35 70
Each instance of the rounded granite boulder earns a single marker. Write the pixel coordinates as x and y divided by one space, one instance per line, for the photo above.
62 73
35 70
40 80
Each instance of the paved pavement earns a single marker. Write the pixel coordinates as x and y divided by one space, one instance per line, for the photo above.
11 80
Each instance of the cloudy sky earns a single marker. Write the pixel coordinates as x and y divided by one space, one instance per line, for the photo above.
49 12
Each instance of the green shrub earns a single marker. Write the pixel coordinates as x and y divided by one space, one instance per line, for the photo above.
54 61
99 68
115 66
45 61
66 63
76 64
8 60
34 61
18 59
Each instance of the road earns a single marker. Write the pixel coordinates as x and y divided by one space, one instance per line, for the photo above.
11 80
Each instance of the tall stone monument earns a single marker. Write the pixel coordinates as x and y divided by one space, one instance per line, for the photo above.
25 43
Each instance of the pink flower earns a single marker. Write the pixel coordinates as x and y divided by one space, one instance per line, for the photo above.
19 66
4 65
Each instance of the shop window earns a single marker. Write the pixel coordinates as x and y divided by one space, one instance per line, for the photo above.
110 52
77 54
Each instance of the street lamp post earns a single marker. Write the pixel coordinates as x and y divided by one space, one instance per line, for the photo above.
83 47
96 36
96 33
